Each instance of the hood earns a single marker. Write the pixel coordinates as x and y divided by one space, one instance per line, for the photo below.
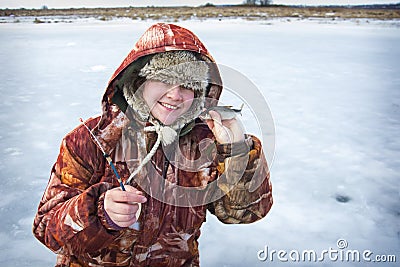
160 37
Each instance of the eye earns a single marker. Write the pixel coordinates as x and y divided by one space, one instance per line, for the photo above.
183 87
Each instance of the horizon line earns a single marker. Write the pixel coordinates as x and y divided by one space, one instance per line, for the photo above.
208 5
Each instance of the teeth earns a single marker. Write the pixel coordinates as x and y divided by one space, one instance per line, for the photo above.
168 106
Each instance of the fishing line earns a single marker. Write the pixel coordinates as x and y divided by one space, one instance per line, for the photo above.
105 155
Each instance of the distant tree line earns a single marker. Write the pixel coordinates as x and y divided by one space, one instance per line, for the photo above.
258 2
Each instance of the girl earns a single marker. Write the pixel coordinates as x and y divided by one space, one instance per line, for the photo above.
174 166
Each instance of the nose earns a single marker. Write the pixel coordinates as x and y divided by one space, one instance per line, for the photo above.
175 93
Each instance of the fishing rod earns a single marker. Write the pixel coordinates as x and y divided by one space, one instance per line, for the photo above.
136 225
105 155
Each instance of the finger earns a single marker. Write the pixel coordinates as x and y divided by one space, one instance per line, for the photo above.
210 124
123 220
123 214
116 217
237 130
216 119
128 188
132 189
215 115
129 196
122 208
230 130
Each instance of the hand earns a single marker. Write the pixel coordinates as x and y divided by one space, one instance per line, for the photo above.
121 206
225 131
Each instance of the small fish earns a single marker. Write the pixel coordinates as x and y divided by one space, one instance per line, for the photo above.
226 112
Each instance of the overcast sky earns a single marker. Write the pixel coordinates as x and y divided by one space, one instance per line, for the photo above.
114 3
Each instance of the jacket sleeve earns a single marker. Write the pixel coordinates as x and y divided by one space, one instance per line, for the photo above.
70 217
244 178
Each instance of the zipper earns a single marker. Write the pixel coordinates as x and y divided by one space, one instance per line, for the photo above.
164 175
165 167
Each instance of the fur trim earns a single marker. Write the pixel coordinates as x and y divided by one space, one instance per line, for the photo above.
135 99
177 67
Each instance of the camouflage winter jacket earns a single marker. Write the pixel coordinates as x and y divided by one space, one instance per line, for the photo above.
71 220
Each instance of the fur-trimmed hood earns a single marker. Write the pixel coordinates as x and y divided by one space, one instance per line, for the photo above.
159 38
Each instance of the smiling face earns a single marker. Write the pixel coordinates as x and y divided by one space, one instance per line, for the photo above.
167 102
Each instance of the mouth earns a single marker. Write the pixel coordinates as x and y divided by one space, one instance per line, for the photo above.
168 106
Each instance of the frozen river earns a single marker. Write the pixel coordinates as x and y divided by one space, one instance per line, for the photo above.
333 88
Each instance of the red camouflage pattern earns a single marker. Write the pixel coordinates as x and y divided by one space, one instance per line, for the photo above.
71 221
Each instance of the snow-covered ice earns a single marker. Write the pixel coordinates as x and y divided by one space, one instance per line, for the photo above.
333 88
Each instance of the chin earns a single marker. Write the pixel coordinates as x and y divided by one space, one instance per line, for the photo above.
168 122
168 119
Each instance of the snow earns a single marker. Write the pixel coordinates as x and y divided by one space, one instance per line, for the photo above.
333 91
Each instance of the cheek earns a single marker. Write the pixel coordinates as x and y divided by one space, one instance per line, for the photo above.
188 104
151 96
188 98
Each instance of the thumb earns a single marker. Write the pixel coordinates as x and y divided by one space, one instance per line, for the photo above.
210 124
216 119
218 127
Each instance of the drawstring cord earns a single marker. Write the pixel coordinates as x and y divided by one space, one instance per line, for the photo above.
165 134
